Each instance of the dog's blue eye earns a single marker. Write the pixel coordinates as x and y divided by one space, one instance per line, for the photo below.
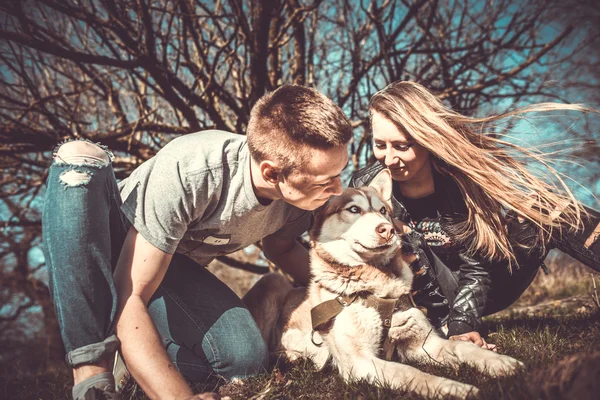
383 211
354 209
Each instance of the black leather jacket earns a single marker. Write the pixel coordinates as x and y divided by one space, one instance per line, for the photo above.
454 286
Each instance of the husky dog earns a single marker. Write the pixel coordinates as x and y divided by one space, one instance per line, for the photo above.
357 310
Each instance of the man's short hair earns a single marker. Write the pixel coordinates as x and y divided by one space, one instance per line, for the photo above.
286 124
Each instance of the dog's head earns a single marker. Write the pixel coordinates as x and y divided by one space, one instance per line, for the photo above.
356 227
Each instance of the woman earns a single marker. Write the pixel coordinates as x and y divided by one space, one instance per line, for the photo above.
487 223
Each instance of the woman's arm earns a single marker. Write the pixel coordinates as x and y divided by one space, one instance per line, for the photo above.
471 299
474 285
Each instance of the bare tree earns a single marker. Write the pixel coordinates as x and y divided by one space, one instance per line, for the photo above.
133 74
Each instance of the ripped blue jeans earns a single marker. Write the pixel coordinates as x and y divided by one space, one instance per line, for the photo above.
204 326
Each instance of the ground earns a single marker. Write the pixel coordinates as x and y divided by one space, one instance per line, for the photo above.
554 329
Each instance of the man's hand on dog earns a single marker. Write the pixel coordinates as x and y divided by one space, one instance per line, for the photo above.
476 338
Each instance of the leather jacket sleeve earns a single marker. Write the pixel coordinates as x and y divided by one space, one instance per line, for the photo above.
471 299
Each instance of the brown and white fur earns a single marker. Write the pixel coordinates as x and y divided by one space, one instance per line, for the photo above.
355 249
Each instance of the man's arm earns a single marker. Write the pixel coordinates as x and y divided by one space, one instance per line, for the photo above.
140 269
289 255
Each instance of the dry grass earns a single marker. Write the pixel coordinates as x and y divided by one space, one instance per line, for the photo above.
558 344
568 277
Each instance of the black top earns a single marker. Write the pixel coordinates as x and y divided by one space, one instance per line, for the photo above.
419 209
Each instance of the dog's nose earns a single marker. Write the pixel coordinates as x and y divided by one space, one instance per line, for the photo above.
385 230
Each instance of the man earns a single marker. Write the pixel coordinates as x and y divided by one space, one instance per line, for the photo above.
202 195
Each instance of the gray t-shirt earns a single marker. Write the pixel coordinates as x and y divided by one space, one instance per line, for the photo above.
195 197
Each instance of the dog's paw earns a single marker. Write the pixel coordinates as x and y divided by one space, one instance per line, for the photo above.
502 365
455 390
408 325
402 333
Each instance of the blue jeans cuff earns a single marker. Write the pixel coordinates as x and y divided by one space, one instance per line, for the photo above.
93 353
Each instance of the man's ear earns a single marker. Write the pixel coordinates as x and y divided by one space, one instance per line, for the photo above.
383 184
269 171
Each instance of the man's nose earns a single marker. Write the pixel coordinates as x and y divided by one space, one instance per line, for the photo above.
336 187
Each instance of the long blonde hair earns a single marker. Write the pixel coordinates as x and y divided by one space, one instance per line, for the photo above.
491 179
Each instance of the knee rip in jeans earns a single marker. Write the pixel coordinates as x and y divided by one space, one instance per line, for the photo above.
81 153
593 238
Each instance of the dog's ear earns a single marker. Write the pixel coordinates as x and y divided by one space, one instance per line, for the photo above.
383 184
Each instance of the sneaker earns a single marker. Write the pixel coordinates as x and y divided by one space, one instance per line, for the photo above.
97 387
120 372
95 393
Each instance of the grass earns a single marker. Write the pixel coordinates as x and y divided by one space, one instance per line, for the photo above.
557 341
540 342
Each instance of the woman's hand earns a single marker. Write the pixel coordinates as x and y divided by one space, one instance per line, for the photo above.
475 337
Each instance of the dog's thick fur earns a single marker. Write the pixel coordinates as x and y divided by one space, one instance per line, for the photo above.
355 249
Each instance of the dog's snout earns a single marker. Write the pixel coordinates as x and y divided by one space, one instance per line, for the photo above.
385 230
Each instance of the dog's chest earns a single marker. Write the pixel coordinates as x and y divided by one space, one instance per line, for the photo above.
362 324
389 287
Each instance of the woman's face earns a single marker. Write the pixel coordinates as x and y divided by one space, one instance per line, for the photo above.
397 150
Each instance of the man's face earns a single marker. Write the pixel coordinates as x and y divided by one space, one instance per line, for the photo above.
311 186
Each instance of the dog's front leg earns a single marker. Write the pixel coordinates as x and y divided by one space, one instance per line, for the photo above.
486 361
353 342
413 336
416 339
404 377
